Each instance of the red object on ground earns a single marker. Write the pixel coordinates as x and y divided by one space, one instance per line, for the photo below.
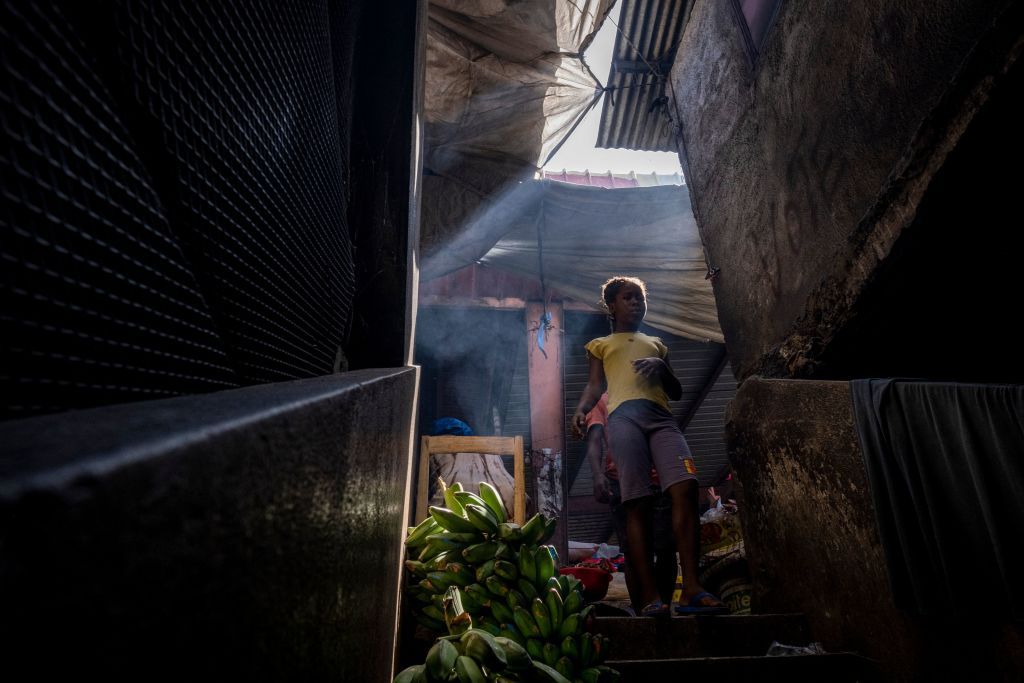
595 581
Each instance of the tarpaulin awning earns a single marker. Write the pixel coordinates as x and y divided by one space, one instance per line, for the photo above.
505 85
580 236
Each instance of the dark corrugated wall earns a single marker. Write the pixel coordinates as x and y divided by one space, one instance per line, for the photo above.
174 217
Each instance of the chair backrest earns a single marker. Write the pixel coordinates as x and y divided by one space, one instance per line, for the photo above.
498 445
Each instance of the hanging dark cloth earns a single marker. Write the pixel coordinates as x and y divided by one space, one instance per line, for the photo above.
946 467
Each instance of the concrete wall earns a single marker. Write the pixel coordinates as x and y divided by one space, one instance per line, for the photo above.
813 544
253 534
805 166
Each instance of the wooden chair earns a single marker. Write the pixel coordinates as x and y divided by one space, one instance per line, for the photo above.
499 445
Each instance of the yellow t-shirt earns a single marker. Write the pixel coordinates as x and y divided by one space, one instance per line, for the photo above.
617 352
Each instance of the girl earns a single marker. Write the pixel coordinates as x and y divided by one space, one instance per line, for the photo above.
642 432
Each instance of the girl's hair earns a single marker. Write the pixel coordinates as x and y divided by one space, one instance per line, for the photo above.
612 286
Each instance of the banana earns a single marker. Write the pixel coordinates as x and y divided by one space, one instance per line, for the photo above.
536 649
410 675
428 585
564 666
466 497
456 487
512 633
586 647
587 618
515 654
465 538
573 603
506 570
570 648
480 594
418 536
563 584
545 674
551 585
416 568
481 646
599 647
434 612
429 551
452 502
541 616
545 566
505 552
440 580
591 675
432 624
515 598
549 529
470 603
493 500
484 570
462 575
496 587
550 654
608 674
489 625
441 660
451 521
482 518
468 671
510 532
525 623
502 613
481 552
553 601
532 530
571 626
526 587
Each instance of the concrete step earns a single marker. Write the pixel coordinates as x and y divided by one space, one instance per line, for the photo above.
636 638
833 668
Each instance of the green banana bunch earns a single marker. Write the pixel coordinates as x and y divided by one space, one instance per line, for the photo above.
545 674
551 654
452 501
570 648
496 587
484 570
506 570
525 586
508 630
516 598
465 497
413 674
488 624
502 613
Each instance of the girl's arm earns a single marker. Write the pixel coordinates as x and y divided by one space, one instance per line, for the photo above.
660 368
591 393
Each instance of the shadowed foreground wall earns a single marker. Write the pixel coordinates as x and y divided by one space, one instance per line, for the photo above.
813 542
252 534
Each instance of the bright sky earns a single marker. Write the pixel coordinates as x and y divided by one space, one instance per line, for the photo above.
578 152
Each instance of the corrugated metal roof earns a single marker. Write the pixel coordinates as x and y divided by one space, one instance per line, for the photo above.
634 114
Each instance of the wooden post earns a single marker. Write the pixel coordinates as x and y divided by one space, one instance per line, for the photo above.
547 417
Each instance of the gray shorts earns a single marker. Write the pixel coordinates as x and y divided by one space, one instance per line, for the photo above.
645 435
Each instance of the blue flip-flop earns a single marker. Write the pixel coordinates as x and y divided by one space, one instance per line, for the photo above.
694 606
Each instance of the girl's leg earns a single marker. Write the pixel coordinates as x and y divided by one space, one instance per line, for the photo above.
638 530
686 528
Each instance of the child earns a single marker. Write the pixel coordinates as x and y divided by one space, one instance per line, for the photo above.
643 433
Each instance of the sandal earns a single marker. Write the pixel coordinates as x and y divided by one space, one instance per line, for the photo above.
655 609
696 605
